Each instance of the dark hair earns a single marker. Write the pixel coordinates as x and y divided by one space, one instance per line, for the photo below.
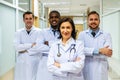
66 19
54 11
28 12
93 12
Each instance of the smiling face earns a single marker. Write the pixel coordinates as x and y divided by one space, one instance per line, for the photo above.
93 21
66 30
54 19
28 20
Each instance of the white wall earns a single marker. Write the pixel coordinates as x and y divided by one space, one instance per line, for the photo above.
7 26
111 23
11 19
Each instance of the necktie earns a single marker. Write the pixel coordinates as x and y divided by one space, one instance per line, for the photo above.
93 33
28 32
54 32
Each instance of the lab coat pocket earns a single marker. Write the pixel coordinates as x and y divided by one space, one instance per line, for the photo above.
76 76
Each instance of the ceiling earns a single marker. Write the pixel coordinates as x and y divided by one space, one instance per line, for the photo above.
74 7
78 7
71 7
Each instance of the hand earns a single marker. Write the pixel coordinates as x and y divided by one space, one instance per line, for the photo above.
46 43
33 45
106 51
24 51
77 59
57 64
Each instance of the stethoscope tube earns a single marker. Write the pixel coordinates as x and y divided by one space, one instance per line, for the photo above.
58 54
73 48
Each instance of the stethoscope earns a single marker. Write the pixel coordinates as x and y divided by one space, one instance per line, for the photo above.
72 49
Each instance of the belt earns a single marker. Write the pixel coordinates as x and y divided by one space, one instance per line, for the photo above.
46 55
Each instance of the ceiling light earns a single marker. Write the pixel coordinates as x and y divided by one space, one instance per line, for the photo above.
83 4
57 3
23 3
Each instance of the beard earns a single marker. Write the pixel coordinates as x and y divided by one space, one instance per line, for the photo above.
94 28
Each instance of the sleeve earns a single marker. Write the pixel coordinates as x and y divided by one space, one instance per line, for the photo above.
72 67
87 51
76 66
40 47
108 41
18 45
50 62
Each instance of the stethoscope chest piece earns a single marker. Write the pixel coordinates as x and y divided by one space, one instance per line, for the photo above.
58 54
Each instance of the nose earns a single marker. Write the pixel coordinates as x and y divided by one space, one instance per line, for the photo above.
65 30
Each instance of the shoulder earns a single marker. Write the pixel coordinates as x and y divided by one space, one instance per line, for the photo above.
36 28
55 43
105 33
20 30
45 30
79 42
84 32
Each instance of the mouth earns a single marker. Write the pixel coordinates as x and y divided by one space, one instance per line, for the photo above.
54 22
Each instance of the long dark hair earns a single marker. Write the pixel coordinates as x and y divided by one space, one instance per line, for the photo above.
67 19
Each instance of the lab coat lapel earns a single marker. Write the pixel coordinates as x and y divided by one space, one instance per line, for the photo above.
32 30
67 47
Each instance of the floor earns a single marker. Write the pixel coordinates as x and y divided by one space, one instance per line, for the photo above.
114 71
8 76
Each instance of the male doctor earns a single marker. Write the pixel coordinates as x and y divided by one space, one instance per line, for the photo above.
47 37
26 64
98 47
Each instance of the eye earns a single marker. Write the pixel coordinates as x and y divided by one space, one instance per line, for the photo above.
96 19
62 27
30 18
91 19
68 27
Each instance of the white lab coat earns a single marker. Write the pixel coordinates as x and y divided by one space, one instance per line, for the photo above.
26 64
96 66
46 35
69 70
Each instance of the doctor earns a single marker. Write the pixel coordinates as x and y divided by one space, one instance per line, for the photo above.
66 57
97 48
47 37
26 64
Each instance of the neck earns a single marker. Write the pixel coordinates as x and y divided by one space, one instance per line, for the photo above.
64 40
28 28
54 27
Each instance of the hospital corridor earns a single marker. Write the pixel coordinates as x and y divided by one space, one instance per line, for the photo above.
12 19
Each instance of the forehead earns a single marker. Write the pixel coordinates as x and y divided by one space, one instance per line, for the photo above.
28 15
66 23
54 14
93 16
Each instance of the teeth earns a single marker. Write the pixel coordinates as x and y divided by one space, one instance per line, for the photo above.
54 21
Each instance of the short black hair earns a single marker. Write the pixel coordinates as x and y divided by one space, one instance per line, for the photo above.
93 12
67 19
28 12
54 11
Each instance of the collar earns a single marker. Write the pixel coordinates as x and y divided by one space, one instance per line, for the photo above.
98 31
32 28
69 41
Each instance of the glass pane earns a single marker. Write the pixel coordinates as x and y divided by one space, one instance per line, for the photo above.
21 23
25 4
110 5
10 1
7 27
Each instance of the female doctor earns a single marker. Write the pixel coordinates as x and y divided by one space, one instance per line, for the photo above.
66 57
